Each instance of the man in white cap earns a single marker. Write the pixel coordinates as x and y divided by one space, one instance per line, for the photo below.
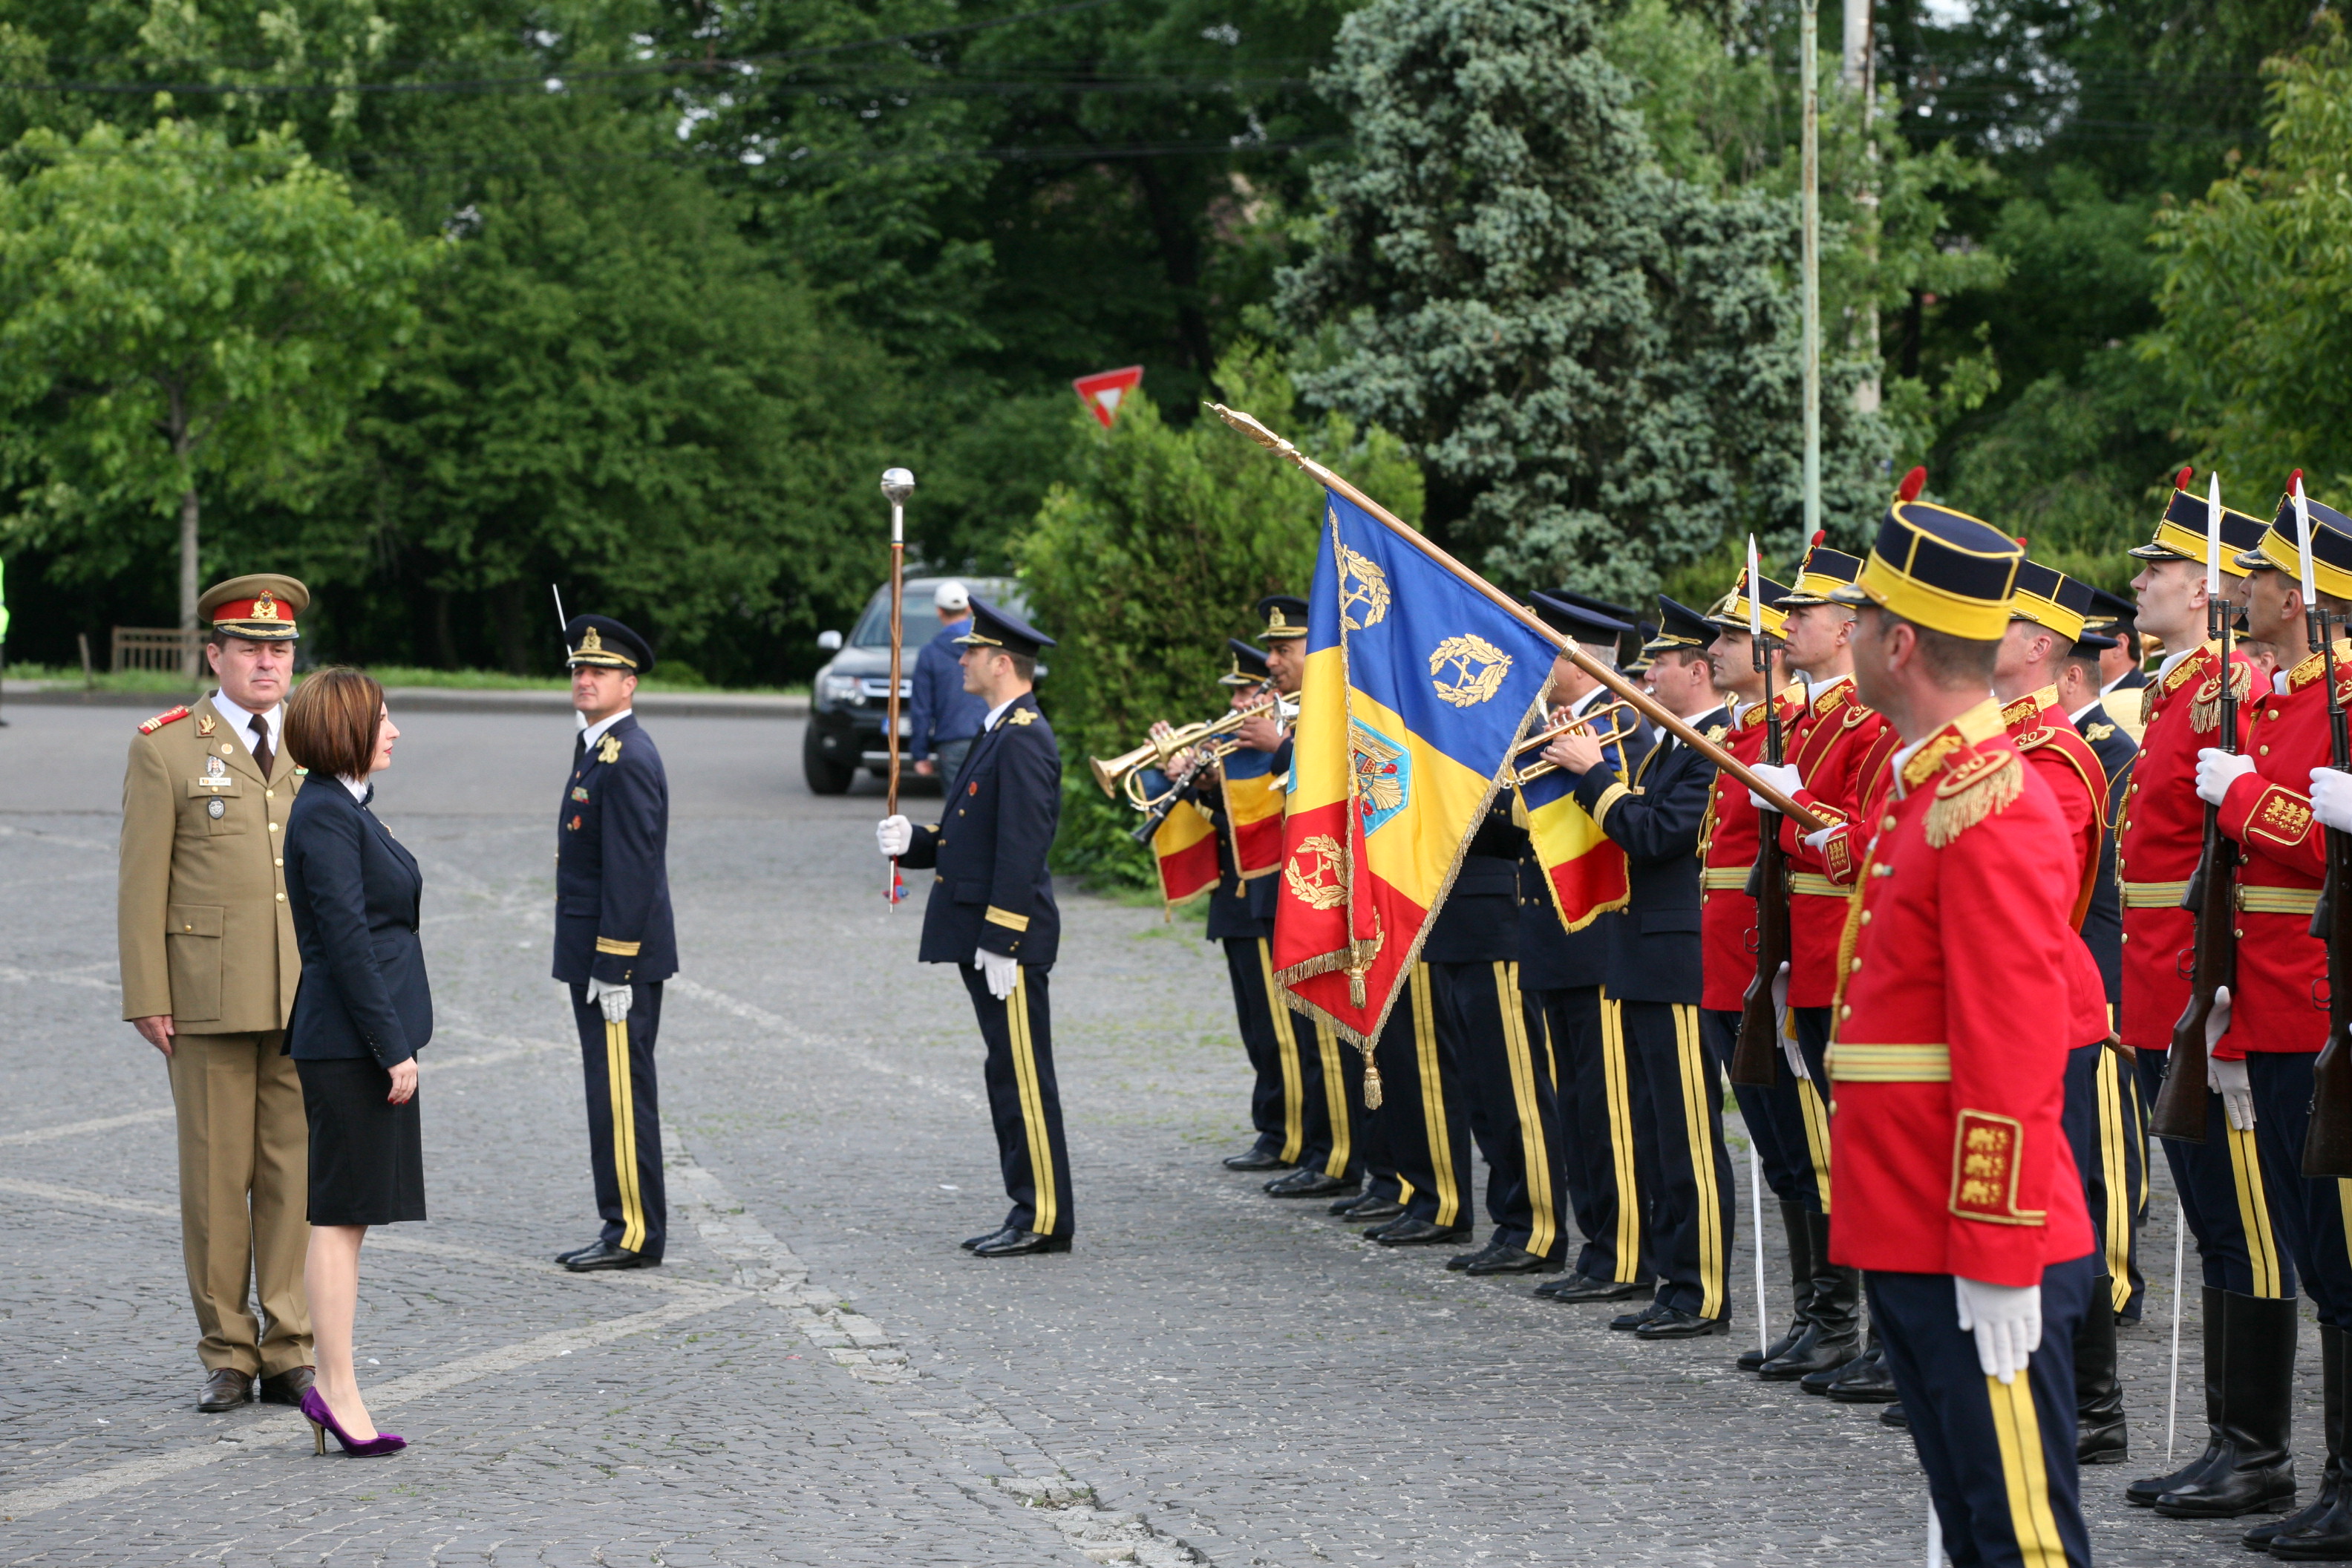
946 717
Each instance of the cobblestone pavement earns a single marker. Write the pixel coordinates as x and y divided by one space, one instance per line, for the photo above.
819 1375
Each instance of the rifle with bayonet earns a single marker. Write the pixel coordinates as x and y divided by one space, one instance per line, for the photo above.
1756 1059
2327 1146
2180 1108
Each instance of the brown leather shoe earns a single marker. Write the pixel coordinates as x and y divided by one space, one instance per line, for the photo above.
285 1387
226 1389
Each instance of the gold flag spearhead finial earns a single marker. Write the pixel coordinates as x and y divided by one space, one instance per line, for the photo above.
1247 424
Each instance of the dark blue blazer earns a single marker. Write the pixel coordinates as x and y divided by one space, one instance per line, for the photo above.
942 711
992 888
612 868
1479 920
2103 926
1653 943
354 894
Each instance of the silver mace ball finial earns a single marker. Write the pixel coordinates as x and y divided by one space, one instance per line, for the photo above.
898 484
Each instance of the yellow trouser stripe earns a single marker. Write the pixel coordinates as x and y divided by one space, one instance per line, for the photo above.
1033 1106
2253 1211
621 1091
1335 1100
1621 1140
1533 1149
2118 1167
2343 1209
1551 1057
1697 1081
2017 1426
1432 1099
1817 1136
1286 1048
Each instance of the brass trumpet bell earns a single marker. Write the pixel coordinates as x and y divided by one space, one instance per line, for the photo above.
1123 775
1586 724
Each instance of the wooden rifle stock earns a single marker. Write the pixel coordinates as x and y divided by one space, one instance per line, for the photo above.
2179 1113
1755 1059
2327 1146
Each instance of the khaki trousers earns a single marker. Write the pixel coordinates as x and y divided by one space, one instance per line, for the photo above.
245 1194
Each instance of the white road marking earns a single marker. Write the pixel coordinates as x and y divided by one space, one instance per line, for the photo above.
78 1129
30 1500
16 976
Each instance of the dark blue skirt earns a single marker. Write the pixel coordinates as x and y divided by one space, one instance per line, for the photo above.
367 1155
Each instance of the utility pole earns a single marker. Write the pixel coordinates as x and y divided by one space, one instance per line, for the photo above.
1807 49
1860 75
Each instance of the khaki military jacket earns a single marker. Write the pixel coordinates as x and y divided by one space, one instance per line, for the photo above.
201 913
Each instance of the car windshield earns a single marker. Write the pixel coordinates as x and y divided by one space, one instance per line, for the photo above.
922 620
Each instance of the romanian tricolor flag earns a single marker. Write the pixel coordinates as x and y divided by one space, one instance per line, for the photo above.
1417 682
1185 847
1254 803
1583 865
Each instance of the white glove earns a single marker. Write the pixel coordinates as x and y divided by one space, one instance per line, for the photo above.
2228 1079
1002 970
614 999
1820 836
1780 776
2331 798
1788 1036
2006 1321
2217 770
894 834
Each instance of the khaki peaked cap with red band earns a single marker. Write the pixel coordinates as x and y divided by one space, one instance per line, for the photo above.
260 606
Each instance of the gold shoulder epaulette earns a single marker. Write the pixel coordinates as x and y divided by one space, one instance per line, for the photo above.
2033 738
2019 711
169 716
1971 790
1856 714
2205 709
1716 732
1022 716
2098 733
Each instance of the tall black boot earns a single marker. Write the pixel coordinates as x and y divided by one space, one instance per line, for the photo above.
2144 1492
2257 1418
1833 1337
2322 1532
2099 1437
1801 1286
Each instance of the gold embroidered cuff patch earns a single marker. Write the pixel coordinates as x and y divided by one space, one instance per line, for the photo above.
2280 816
1006 918
1837 851
618 949
1985 1152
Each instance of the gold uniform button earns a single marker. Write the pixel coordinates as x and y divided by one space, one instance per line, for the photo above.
2238 933
1845 1012
1886 825
273 827
281 860
1856 969
2267 751
281 898
269 795
1865 920
2126 936
227 750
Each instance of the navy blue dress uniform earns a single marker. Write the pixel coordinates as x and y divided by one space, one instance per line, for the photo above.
1605 1168
1654 981
612 929
991 893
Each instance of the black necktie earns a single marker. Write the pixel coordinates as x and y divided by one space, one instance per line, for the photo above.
261 744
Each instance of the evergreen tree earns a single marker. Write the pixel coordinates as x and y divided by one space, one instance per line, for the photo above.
1596 363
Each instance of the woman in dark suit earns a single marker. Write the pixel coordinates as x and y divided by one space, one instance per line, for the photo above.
362 1014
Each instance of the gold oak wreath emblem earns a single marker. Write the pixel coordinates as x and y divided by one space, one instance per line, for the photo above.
1318 874
1475 669
1362 585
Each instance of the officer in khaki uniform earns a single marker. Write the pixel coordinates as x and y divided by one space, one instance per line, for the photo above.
209 968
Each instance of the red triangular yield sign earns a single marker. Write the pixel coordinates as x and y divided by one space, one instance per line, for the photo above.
1104 391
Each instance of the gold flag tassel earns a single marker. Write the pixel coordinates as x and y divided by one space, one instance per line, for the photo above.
1372 1079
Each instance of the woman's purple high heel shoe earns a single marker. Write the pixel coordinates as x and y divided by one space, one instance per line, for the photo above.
323 1421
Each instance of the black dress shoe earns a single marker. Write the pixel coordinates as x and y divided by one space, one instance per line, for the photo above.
1866 1380
1463 1261
580 1251
1674 1324
972 1243
1512 1260
1012 1243
287 1388
604 1255
1366 1210
1258 1160
1625 1322
1578 1287
1892 1416
1307 1183
226 1388
1411 1231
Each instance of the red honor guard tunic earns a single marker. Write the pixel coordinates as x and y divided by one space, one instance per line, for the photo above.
2055 750
1839 746
2161 836
1954 1025
2281 967
1728 842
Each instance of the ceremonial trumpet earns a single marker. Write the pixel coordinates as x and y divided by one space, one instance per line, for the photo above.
1124 774
1585 723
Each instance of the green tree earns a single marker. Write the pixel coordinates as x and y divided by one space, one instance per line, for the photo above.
1157 551
1595 361
176 310
2257 293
